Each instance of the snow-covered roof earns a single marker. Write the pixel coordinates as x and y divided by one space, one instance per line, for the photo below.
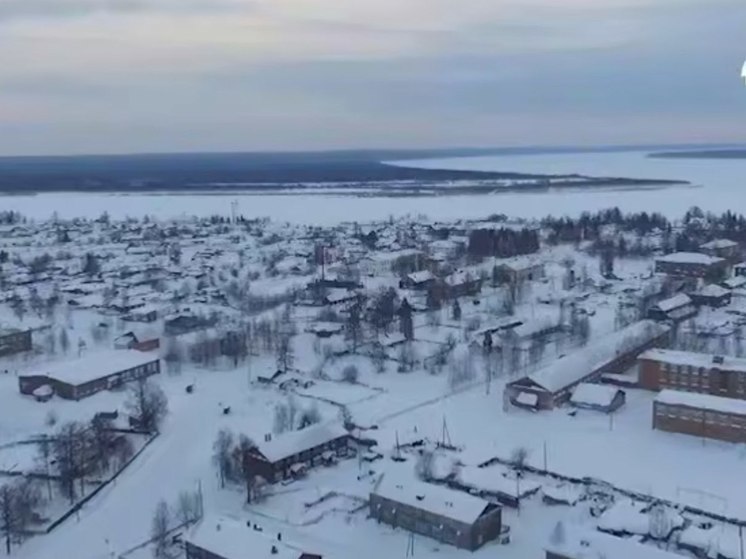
563 493
693 359
394 255
594 394
678 300
536 326
519 263
435 499
568 370
338 295
493 481
459 278
719 243
690 258
236 540
713 290
527 399
321 327
579 543
421 277
625 516
93 365
294 442
702 401
735 282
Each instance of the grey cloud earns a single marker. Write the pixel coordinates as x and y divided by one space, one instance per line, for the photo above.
34 9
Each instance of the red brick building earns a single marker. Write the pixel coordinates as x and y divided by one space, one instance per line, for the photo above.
723 248
93 372
691 265
553 385
289 454
14 341
693 372
701 415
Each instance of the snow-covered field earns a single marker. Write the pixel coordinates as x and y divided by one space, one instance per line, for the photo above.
717 187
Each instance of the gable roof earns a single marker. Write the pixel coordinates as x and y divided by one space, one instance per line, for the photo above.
436 499
679 300
231 539
594 394
294 442
572 368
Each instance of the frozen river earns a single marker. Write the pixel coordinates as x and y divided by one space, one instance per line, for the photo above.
718 185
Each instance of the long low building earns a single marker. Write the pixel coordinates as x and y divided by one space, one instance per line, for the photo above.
223 538
291 453
445 515
578 543
701 415
690 265
553 385
693 372
93 372
14 341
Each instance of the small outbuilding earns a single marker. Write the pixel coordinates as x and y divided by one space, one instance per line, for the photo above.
677 308
599 397
712 295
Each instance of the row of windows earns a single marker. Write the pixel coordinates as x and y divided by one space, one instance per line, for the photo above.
335 444
700 416
684 372
406 513
703 387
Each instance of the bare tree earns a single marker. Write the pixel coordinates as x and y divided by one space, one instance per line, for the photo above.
101 442
285 416
18 306
353 324
173 354
379 357
309 416
188 507
350 374
241 454
159 529
285 353
64 340
124 450
425 465
17 503
462 370
221 454
148 404
518 458
260 488
45 457
69 456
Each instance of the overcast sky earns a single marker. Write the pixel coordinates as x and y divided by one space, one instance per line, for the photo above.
90 76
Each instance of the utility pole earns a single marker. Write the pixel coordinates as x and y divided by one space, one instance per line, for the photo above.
410 545
446 437
545 457
740 539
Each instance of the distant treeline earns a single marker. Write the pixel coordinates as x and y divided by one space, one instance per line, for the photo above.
703 154
200 171
145 173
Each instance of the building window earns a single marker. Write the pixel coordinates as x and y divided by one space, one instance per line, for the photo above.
723 381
